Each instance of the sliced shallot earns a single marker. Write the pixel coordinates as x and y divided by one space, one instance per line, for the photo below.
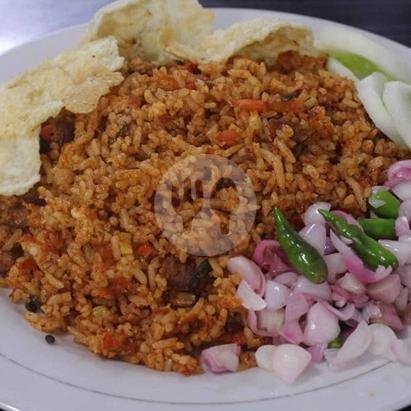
335 265
382 339
305 286
249 272
276 294
290 361
315 234
221 358
386 290
400 249
264 357
292 332
321 327
356 266
355 345
297 306
398 173
343 314
269 256
312 216
248 297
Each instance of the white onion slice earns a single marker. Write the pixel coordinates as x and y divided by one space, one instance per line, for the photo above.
332 38
397 100
315 234
276 294
355 345
290 361
249 299
317 290
312 216
335 66
370 91
321 327
264 357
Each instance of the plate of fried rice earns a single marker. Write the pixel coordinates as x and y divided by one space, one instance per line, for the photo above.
205 209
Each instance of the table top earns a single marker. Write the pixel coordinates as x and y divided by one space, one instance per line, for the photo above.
28 19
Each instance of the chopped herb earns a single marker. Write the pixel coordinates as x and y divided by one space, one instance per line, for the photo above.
289 97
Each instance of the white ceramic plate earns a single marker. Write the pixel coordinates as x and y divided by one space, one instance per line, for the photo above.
35 376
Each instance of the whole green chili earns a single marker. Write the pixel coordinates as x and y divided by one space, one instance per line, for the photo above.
369 250
379 227
303 256
384 204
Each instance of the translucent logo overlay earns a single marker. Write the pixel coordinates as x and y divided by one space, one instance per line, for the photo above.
205 205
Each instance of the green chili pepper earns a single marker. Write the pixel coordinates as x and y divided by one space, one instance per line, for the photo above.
303 256
384 204
335 343
379 227
370 251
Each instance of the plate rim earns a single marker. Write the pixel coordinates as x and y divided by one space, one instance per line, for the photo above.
64 31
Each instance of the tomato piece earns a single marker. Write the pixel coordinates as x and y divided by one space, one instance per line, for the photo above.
228 138
250 104
145 250
292 106
111 342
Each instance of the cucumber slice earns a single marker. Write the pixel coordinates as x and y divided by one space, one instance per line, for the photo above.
362 55
370 92
397 100
335 66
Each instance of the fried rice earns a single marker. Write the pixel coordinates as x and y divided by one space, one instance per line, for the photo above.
85 242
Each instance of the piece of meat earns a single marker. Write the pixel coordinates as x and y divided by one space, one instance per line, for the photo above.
59 130
234 323
178 275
